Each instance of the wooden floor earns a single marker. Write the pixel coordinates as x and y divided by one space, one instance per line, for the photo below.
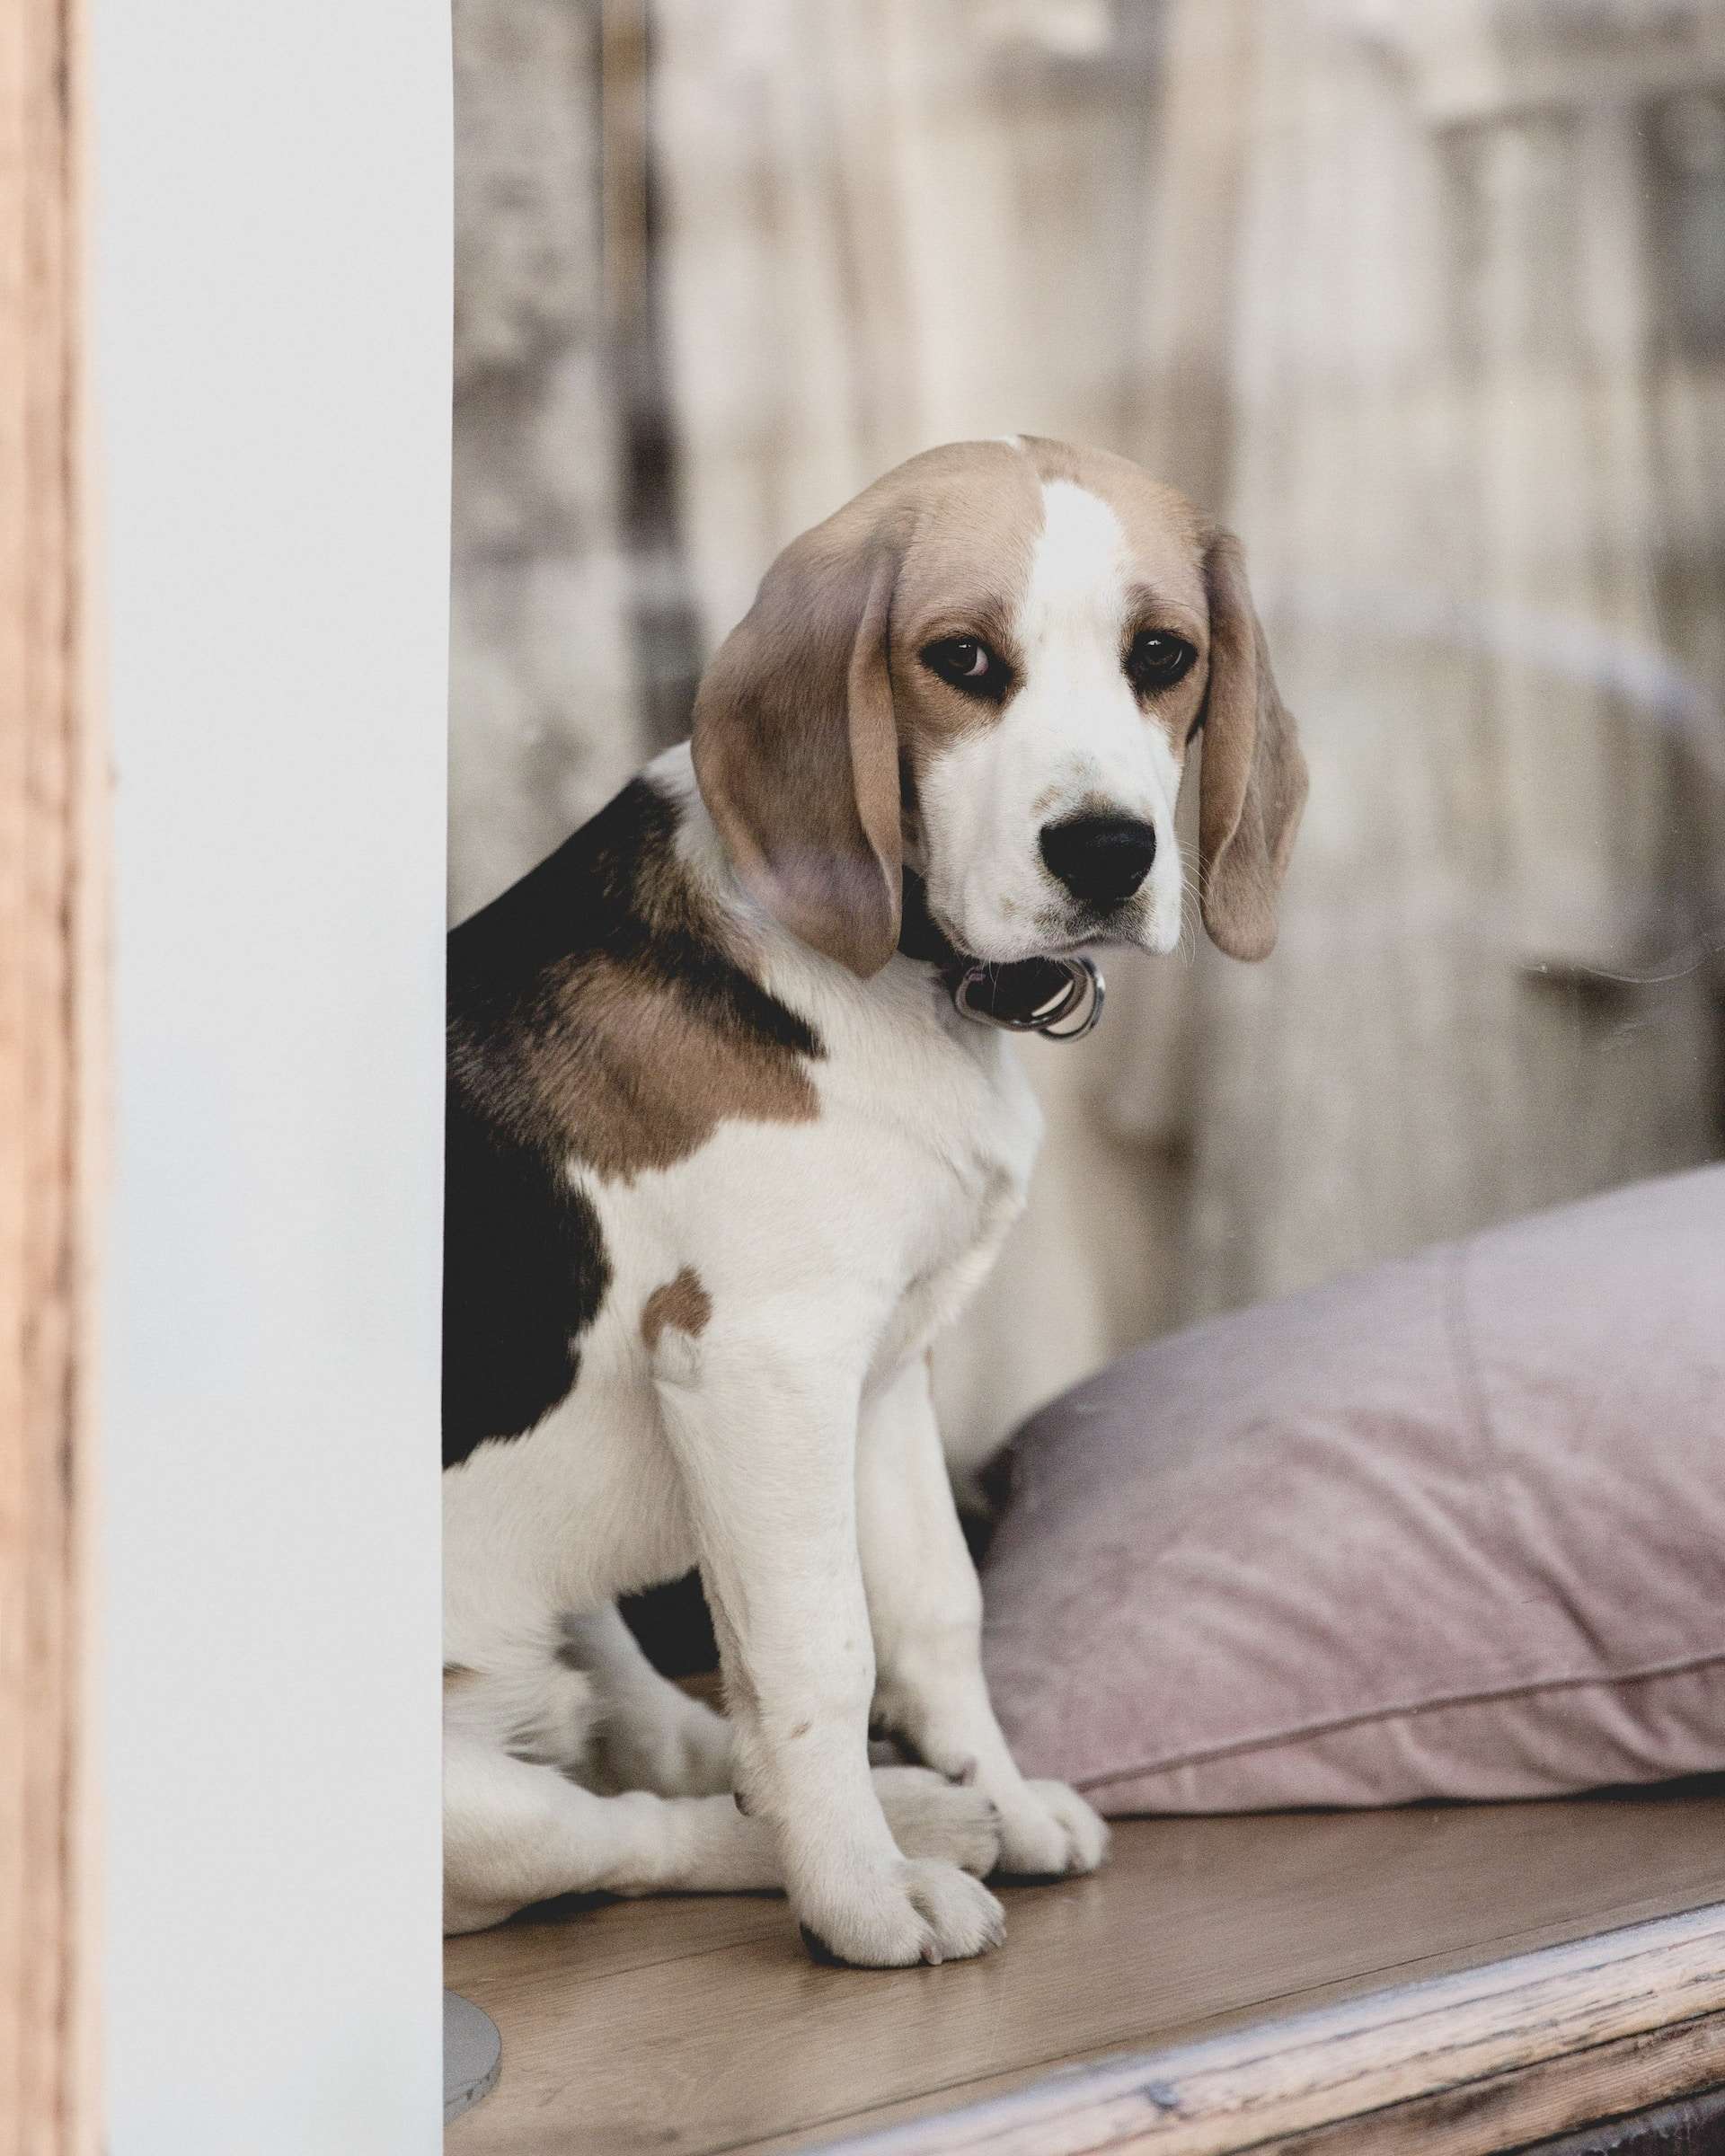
699 2025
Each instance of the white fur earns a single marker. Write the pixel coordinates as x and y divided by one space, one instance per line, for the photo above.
789 1447
1073 738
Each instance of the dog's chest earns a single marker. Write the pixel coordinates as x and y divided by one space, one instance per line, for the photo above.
937 1129
968 1240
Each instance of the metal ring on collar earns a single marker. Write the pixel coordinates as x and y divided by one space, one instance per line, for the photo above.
1083 995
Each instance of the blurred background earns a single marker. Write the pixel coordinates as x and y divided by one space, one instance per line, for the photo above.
1426 302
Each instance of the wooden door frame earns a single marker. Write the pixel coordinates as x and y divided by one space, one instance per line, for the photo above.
52 993
1504 2054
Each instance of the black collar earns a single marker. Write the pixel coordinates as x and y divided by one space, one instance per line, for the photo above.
1061 997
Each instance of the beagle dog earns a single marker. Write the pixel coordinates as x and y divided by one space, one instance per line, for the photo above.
731 1141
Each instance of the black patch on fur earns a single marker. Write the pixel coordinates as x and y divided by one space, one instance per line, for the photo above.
595 897
523 1275
526 1272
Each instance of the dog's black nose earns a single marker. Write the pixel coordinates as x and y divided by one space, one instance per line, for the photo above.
1101 859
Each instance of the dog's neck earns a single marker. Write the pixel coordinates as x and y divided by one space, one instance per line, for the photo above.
1012 993
921 937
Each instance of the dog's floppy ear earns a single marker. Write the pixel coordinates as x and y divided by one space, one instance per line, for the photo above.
1252 777
796 752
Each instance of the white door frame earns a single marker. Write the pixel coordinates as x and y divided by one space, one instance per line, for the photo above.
272 254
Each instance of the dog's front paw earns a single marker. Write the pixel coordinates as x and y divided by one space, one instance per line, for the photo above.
1050 1832
930 1817
917 1910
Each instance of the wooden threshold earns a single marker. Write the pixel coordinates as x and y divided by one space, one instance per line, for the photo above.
52 1085
1472 1977
1460 2065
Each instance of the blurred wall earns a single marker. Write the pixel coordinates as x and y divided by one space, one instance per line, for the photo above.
1462 405
1430 304
544 726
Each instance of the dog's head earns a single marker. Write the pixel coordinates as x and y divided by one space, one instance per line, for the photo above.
990 665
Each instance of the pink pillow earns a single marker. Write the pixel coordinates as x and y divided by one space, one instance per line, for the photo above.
1453 1528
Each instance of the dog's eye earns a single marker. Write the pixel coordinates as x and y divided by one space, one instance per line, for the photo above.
968 664
1156 660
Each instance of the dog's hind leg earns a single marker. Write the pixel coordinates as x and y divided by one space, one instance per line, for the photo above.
515 1832
648 1735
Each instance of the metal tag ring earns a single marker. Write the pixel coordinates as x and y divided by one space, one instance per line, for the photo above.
1083 995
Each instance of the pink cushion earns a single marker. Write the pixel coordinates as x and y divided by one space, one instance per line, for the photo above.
1453 1528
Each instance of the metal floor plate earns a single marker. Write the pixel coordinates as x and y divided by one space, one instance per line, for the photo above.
472 2051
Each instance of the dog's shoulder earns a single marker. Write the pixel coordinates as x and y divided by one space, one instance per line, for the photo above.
604 1007
603 1021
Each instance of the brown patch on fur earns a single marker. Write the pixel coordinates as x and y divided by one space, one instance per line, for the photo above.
455 1674
965 573
795 750
641 1029
683 1303
816 714
1169 541
1252 777
639 1079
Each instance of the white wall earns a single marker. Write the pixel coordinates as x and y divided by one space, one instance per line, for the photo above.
272 244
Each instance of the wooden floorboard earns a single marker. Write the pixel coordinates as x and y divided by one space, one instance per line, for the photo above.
699 2025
